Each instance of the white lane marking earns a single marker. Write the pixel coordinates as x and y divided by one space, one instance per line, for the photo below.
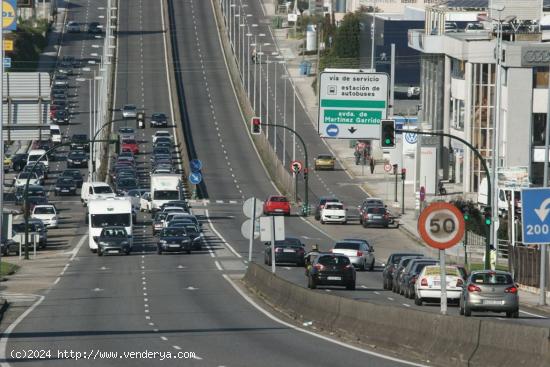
218 265
12 326
57 280
391 299
164 338
219 235
406 305
532 314
176 347
78 246
375 292
326 338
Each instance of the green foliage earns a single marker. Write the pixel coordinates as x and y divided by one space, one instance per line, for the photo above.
476 222
346 39
30 40
7 268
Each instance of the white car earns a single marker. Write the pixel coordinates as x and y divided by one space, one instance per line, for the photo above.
47 214
129 111
428 284
72 27
145 202
333 212
161 134
21 180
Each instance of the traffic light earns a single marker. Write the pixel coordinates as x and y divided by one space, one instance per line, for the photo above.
305 174
487 216
466 214
403 173
387 136
255 126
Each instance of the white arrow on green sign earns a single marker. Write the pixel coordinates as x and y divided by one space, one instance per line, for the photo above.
352 104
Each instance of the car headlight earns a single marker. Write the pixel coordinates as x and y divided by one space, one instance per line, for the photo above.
58 188
124 243
73 187
69 160
103 243
163 242
197 238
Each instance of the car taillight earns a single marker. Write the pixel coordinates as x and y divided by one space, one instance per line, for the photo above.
319 267
473 288
349 266
512 289
459 282
278 249
330 251
359 253
424 282
386 216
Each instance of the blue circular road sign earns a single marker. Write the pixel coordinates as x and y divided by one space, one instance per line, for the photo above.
195 178
196 165
332 130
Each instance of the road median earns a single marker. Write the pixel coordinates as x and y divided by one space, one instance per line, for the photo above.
435 339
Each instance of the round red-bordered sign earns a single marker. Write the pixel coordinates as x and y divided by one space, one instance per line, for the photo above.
388 167
296 167
441 225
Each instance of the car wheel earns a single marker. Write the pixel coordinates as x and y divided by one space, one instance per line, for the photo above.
401 291
418 301
362 267
371 267
188 252
127 252
394 287
312 283
269 261
461 309
159 251
385 284
317 217
350 286
99 252
512 314
322 221
345 222
365 224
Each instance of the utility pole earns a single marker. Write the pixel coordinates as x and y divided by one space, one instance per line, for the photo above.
373 32
543 256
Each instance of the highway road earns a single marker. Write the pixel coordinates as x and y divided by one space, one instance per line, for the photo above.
189 303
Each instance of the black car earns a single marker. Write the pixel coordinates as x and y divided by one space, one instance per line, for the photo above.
77 158
193 232
290 250
174 239
163 144
125 184
34 190
161 151
322 201
390 267
75 175
94 28
40 170
398 273
61 117
113 240
8 246
158 119
19 161
79 141
331 269
65 186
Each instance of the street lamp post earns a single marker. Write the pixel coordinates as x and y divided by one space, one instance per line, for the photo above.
248 35
267 62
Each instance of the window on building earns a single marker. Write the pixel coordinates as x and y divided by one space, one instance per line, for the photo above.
457 113
539 127
540 77
458 68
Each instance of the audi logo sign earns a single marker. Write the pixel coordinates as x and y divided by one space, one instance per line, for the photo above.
535 56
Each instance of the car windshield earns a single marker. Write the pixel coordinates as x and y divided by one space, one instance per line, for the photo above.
294 242
126 130
435 271
324 157
27 175
114 232
77 154
173 232
103 190
279 199
127 182
105 220
160 216
129 108
35 157
129 141
333 260
376 210
348 245
396 258
491 278
334 206
44 210
166 195
158 116
326 200
65 181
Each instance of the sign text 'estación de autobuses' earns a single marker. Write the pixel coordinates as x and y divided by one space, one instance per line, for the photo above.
352 104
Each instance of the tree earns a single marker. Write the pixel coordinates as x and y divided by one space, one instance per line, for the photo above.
346 39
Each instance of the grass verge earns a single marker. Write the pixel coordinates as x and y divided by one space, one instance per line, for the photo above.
7 268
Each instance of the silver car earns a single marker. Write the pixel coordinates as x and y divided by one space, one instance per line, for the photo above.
489 290
359 252
129 111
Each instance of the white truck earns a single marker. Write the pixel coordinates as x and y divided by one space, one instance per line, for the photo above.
108 212
165 188
505 193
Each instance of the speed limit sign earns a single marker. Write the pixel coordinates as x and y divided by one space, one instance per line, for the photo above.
441 225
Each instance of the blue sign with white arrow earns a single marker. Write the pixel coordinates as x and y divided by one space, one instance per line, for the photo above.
195 178
196 165
535 215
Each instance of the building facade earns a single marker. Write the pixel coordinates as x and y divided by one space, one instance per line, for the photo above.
459 93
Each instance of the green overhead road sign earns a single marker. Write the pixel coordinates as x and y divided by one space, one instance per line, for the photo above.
352 104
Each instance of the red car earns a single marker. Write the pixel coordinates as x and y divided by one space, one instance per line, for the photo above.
277 205
129 145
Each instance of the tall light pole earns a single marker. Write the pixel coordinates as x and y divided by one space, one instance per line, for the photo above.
248 35
373 33
285 77
275 80
267 62
237 36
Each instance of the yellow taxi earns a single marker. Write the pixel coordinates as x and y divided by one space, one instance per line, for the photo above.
324 162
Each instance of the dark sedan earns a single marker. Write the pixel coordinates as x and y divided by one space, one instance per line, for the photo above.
125 184
290 250
113 240
174 240
158 120
65 186
331 269
77 158
391 265
75 175
61 117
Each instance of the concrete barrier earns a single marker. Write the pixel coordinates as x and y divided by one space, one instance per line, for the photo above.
443 340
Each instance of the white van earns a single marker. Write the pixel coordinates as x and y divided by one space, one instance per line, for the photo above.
35 154
55 133
95 191
109 212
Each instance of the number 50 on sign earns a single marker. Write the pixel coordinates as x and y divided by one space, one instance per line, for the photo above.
441 225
